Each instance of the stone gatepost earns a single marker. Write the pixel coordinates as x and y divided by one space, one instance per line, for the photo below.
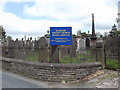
101 54
43 49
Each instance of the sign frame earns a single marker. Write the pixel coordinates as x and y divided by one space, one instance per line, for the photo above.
60 35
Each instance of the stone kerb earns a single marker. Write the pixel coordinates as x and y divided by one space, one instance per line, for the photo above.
52 72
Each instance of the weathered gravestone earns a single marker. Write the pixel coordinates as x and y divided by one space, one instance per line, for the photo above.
99 51
3 45
31 47
81 45
64 51
27 48
43 50
10 48
54 54
87 42
16 49
36 46
73 48
112 47
22 53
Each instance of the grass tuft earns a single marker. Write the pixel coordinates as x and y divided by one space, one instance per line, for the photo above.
112 64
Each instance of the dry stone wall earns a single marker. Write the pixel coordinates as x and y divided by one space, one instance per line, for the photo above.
49 71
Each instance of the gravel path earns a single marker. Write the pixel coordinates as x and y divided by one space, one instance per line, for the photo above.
108 80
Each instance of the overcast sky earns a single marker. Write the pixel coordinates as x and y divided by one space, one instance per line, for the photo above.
35 17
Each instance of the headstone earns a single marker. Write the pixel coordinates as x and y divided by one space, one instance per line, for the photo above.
63 51
22 53
3 45
112 47
87 42
73 48
36 46
31 47
10 48
43 50
27 48
16 49
54 54
99 51
81 45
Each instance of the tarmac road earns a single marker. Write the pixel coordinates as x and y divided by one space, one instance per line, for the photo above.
10 80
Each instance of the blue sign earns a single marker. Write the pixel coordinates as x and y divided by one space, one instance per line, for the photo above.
60 35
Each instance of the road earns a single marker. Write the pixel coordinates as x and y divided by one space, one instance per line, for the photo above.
10 80
107 79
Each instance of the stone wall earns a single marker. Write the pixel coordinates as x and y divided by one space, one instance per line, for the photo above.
49 71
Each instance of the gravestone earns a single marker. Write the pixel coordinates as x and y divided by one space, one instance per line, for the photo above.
27 48
43 50
54 54
63 51
81 45
3 45
31 47
36 45
10 48
87 42
22 53
99 51
73 48
112 47
16 49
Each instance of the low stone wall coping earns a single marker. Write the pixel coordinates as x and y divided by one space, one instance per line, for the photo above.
75 65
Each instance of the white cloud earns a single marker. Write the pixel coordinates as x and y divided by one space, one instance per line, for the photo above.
75 13
5 1
17 26
75 10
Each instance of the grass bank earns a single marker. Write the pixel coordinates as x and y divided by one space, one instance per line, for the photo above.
112 64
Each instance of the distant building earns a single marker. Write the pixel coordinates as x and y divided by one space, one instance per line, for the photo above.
118 19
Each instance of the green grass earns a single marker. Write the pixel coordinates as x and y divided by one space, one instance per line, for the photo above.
33 57
69 59
87 56
112 64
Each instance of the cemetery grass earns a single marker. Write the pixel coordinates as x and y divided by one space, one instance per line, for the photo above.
80 58
112 64
33 57
69 59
